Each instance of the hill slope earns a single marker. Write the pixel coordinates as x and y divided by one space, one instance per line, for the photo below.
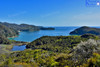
84 54
21 27
58 43
6 32
85 30
25 27
10 30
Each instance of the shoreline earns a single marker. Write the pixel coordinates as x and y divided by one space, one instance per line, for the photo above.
14 36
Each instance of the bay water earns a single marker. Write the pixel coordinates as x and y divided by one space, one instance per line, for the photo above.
31 36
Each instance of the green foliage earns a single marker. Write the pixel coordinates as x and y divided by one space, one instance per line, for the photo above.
89 36
85 30
22 27
39 57
25 27
58 43
57 51
84 50
7 32
11 30
4 40
8 62
94 61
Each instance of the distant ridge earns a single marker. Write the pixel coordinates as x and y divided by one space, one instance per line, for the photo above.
85 30
21 27
12 30
25 27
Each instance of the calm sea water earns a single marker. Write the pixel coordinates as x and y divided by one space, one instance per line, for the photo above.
19 48
31 36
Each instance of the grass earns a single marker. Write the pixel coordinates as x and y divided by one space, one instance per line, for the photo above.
5 48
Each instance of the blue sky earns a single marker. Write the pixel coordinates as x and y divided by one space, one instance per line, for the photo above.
50 12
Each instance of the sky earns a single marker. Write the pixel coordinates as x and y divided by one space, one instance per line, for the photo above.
51 12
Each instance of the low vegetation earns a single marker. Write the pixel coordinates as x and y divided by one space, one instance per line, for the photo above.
50 51
59 43
60 51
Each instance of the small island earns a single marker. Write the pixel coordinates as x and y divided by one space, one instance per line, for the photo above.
85 30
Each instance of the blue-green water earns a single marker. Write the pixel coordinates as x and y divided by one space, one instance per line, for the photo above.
31 36
19 48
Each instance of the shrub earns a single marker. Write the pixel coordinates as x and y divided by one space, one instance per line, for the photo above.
84 50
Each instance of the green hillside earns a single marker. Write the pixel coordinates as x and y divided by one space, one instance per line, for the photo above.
81 52
59 43
21 27
6 32
85 30
25 27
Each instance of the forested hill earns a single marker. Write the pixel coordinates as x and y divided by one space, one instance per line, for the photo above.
21 27
59 43
57 51
6 32
25 27
10 30
84 30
